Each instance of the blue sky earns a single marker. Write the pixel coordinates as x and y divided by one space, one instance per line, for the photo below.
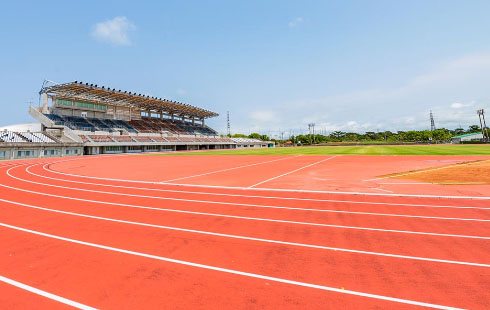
275 65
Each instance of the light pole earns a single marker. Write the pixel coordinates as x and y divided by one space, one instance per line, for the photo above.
311 128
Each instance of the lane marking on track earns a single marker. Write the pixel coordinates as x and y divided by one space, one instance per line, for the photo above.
250 205
290 172
231 271
270 189
297 244
249 218
438 183
46 294
247 196
228 169
383 190
405 183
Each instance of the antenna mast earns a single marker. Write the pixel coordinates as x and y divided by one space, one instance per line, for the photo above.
228 130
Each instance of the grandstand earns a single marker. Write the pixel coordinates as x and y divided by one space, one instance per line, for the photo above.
106 120
82 118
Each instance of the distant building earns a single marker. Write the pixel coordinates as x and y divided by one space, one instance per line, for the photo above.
467 137
251 143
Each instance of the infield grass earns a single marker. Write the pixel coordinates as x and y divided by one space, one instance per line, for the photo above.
441 149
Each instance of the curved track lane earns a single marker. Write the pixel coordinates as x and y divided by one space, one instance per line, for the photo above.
188 247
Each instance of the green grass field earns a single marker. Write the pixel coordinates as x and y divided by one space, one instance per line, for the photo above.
446 149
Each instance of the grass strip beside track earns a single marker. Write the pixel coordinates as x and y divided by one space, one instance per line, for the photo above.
441 149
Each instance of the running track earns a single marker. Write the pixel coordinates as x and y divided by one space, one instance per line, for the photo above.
94 242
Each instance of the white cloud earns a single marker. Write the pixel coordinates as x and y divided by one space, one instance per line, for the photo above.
115 31
181 92
458 105
295 22
263 116
452 90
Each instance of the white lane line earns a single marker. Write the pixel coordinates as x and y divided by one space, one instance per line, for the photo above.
250 205
383 190
284 190
273 189
438 183
305 245
248 218
229 169
231 271
248 196
45 294
406 183
287 173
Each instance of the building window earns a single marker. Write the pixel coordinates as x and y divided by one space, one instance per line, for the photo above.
85 105
51 152
71 152
152 147
2 154
25 153
82 104
64 102
113 148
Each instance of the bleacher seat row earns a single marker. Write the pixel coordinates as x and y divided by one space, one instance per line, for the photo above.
34 137
144 125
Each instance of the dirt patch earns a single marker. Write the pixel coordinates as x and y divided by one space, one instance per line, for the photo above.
466 173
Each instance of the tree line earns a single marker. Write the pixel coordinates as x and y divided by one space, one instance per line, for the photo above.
412 136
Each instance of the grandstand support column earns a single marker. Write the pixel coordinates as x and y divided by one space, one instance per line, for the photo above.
45 104
202 122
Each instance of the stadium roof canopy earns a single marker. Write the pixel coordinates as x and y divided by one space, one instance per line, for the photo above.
100 94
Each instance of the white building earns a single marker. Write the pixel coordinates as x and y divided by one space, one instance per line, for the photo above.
467 137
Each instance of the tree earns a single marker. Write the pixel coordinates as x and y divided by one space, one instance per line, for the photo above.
473 128
458 131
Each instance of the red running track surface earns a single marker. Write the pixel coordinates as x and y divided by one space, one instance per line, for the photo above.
114 244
